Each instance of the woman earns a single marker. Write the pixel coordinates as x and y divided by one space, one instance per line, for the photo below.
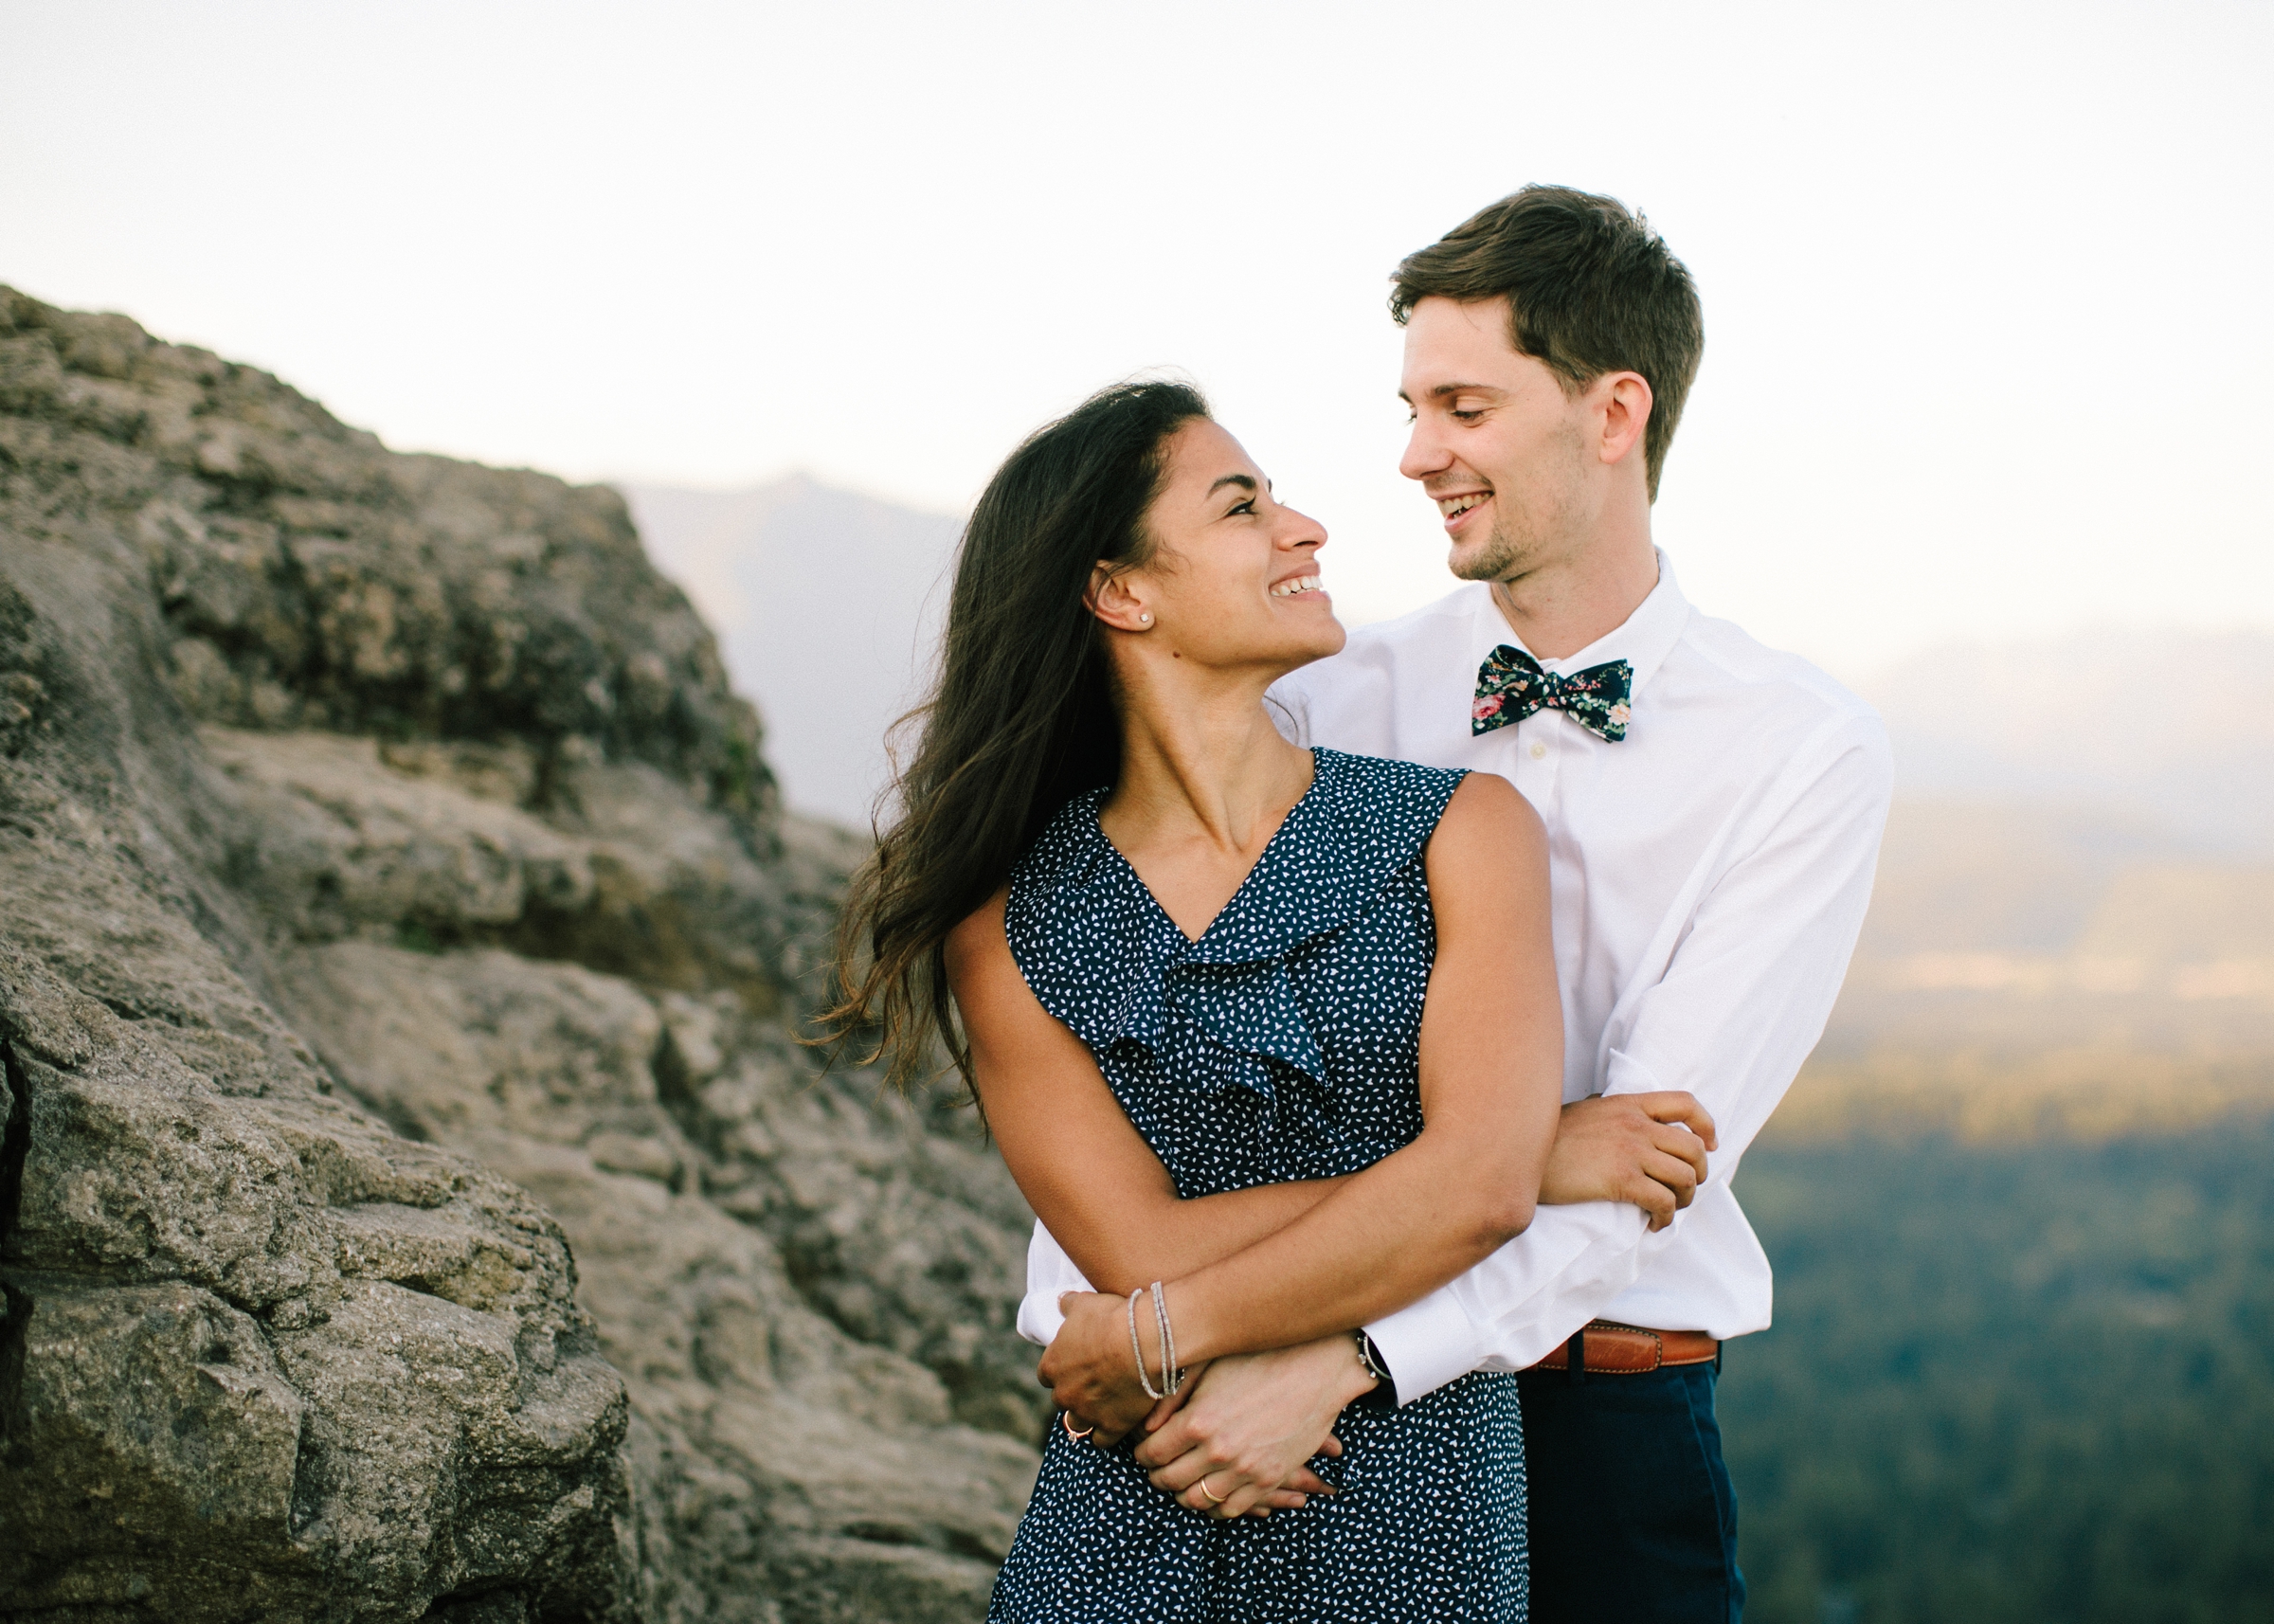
1260 1071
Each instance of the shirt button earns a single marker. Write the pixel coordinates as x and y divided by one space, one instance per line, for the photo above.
1539 749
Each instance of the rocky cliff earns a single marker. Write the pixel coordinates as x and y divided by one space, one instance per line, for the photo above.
415 1203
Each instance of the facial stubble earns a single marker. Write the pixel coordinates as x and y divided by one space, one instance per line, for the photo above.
1532 523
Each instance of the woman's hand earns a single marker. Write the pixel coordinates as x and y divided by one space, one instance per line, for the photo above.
1092 1373
1253 1461
1249 1429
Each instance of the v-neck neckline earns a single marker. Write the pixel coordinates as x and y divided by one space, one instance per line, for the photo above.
1097 820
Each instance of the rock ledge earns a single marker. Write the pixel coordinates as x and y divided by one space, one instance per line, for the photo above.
413 1202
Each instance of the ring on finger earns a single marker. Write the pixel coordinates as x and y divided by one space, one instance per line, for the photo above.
1214 1498
1066 1420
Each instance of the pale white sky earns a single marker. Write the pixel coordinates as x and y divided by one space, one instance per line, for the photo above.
1985 284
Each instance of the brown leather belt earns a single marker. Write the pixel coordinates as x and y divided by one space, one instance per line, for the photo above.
1629 1350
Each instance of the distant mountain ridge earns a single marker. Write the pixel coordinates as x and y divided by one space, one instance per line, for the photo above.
2073 926
2174 725
827 603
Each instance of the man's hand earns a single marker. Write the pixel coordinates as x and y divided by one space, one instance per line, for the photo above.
1647 1149
1250 1426
1089 1369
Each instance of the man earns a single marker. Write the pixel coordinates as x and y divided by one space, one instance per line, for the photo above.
1714 812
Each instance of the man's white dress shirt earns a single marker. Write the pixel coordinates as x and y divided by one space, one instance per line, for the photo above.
1710 876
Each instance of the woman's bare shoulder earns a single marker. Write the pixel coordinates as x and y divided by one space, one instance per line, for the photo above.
976 948
1487 813
1488 865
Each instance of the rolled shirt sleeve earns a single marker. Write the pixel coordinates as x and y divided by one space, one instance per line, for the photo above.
1050 1274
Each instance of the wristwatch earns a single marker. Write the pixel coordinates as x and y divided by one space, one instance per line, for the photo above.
1384 1394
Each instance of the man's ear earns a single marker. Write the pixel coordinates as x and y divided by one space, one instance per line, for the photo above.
1115 600
1626 408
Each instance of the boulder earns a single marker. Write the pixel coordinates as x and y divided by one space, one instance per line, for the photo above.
416 1201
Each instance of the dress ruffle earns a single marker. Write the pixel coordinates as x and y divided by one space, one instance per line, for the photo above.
1215 1012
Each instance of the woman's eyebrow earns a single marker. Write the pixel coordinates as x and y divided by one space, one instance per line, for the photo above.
1244 481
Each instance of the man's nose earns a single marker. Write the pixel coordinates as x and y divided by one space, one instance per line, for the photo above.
1424 455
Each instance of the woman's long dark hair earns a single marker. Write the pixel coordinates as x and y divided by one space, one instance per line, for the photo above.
1021 721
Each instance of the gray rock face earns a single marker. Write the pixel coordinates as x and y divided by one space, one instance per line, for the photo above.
414 1202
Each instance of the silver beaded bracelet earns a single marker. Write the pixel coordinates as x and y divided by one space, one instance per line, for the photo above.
1137 1350
1172 1375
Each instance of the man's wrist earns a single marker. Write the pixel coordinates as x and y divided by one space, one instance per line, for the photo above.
1427 1344
1381 1386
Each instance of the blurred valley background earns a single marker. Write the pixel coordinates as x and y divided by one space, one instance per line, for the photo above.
2019 1202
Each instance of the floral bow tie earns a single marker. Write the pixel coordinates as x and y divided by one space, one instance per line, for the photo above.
1510 685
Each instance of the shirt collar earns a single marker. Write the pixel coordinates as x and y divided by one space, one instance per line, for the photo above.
1643 639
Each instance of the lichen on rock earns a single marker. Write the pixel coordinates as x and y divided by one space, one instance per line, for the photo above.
414 1202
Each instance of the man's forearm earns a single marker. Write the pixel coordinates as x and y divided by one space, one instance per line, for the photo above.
1518 1305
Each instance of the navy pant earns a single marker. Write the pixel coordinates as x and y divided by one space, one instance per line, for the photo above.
1632 1514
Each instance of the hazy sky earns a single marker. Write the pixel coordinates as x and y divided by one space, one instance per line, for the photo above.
1986 286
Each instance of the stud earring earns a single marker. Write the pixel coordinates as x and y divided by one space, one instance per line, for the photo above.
1144 620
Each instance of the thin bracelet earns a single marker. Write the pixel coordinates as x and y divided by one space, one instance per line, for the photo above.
1172 1374
1161 1333
1142 1381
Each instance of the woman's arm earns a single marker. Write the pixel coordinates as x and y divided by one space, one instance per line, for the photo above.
1492 1086
1082 1166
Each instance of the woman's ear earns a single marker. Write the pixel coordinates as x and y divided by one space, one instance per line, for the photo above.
1117 600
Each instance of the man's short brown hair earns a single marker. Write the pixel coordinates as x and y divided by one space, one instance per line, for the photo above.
1591 289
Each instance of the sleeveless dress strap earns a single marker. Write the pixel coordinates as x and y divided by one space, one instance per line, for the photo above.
1101 955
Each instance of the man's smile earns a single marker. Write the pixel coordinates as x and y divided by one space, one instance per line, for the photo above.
1457 509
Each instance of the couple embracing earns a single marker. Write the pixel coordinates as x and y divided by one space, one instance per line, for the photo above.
1373 1021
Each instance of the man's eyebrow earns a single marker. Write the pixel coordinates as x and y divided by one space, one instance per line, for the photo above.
1242 481
1442 391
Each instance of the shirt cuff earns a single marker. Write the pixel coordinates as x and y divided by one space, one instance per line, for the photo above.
1428 1344
1050 1273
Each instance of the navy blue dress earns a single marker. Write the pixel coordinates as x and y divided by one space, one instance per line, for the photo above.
1284 1044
